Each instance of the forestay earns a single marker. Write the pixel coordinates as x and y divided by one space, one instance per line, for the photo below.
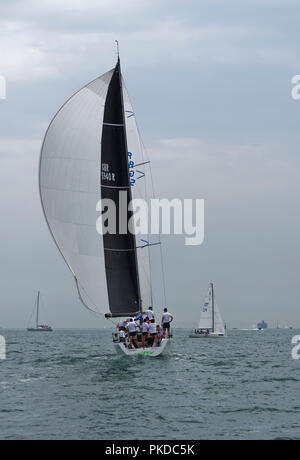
139 180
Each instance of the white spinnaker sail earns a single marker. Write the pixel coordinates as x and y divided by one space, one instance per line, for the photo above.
206 317
138 176
70 188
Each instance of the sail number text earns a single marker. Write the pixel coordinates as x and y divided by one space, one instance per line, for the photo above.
106 174
131 169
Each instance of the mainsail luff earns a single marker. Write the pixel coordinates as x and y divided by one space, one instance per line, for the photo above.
119 249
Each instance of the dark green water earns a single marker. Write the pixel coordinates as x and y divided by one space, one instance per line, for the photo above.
72 385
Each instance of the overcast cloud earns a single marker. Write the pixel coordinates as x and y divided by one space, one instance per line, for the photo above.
211 85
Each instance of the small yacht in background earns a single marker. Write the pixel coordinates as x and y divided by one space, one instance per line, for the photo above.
211 324
39 327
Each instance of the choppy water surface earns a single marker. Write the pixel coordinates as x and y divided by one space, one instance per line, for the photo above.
72 385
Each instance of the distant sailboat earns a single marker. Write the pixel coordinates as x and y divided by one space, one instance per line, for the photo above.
39 327
211 324
92 151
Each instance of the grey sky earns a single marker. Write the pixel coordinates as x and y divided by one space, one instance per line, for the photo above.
211 85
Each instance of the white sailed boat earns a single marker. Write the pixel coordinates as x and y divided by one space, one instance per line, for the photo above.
39 327
211 324
92 151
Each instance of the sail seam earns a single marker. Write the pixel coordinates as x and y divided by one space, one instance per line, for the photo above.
69 190
115 187
131 249
48 157
114 124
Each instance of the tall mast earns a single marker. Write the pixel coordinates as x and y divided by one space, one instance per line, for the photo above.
37 310
213 307
120 251
118 50
129 191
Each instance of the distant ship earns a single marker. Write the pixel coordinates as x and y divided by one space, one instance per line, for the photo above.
262 325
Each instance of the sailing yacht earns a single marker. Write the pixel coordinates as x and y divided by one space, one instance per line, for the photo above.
39 327
92 151
211 324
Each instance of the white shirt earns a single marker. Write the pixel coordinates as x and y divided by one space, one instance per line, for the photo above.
132 326
149 313
152 328
122 335
166 317
145 327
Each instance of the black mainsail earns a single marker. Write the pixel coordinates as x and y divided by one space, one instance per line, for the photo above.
119 248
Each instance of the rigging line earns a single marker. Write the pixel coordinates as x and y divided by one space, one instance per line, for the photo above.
144 162
146 156
33 311
159 236
148 244
159 239
149 281
107 317
142 264
141 164
147 272
44 309
94 312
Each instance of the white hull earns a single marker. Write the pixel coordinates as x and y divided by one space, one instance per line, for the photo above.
147 351
40 329
207 336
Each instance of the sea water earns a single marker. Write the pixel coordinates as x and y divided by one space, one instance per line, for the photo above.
70 384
